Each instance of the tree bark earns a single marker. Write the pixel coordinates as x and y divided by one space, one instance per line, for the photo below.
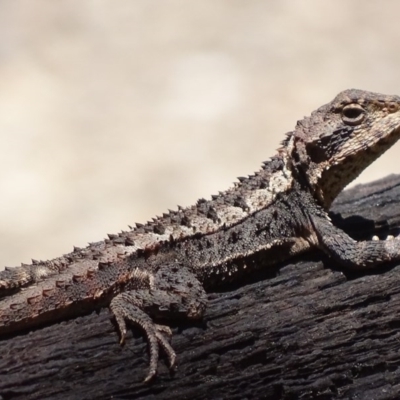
304 329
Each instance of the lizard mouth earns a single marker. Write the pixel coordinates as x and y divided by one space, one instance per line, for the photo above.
360 152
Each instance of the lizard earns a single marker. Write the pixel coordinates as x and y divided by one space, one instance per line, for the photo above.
164 268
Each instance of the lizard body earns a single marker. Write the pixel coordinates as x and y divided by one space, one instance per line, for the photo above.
162 268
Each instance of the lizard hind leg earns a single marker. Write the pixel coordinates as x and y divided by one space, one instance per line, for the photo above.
174 293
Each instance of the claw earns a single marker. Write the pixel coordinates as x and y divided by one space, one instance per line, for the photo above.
159 340
169 351
163 329
150 376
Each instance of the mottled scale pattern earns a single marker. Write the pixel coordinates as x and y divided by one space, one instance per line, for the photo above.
162 268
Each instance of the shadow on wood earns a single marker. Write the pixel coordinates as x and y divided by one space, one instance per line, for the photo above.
311 331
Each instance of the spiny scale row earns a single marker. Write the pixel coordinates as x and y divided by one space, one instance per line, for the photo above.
235 197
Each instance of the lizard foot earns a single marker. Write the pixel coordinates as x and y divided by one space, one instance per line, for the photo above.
124 310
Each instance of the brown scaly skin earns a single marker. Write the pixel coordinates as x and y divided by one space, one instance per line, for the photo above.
161 269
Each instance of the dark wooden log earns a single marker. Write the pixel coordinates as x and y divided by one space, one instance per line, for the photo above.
305 329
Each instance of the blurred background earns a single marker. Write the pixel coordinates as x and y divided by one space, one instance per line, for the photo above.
112 111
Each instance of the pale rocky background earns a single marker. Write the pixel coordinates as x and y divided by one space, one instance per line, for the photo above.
114 111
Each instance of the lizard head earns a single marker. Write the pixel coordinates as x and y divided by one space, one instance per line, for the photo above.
340 139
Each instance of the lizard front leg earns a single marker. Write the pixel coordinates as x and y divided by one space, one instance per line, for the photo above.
174 292
348 252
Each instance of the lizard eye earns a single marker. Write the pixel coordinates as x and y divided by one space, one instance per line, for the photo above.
353 114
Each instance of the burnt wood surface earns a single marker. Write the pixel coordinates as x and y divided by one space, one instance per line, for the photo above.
304 329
